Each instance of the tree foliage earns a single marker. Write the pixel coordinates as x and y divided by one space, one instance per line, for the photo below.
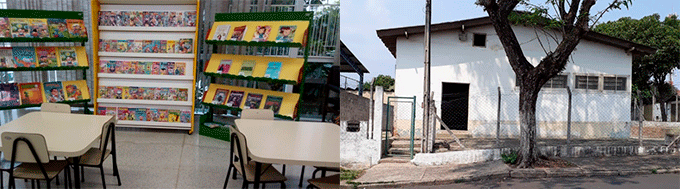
386 81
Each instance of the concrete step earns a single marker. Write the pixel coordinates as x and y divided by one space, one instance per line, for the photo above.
405 144
402 151
400 159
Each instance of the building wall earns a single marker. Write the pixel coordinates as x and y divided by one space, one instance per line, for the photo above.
486 69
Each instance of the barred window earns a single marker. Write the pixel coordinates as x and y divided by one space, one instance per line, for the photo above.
587 82
616 83
559 82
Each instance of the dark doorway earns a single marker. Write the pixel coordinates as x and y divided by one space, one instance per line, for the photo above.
455 105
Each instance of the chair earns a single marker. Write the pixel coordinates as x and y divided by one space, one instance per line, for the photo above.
55 107
239 162
31 150
95 156
6 166
264 114
325 182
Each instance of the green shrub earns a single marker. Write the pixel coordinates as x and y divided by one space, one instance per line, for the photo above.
510 158
349 174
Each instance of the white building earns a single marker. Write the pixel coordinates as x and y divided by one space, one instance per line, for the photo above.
469 65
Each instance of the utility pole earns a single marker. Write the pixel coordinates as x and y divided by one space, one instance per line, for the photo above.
428 142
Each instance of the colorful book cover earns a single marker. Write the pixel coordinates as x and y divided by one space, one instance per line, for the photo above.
53 91
140 114
47 56
20 27
182 94
179 68
103 93
185 45
171 68
173 115
224 66
126 93
5 27
286 34
273 103
31 93
122 46
220 96
261 33
147 46
163 115
273 70
164 46
24 56
156 46
6 58
76 28
164 93
123 113
164 68
111 111
247 68
101 110
235 99
68 56
111 67
76 90
170 46
58 27
39 27
9 95
110 92
150 114
190 18
185 116
238 33
221 32
253 101
137 46
118 92
154 114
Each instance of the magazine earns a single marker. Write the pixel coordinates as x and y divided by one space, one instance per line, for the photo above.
247 68
68 56
235 99
182 94
5 28
47 56
185 116
140 114
224 66
221 32
76 90
238 33
163 115
164 68
171 68
6 58
24 56
9 95
286 34
57 27
173 115
20 27
185 45
101 110
253 101
273 103
179 68
76 28
261 33
111 111
220 96
123 113
39 28
53 91
273 70
170 46
31 93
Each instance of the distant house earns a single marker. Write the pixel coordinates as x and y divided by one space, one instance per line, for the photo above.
469 65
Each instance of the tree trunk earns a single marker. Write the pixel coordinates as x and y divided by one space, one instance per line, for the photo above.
527 116
662 106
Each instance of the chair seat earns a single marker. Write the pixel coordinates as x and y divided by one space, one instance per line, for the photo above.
326 182
32 170
92 157
270 173
333 169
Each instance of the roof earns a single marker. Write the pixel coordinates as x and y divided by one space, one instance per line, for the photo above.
344 65
389 36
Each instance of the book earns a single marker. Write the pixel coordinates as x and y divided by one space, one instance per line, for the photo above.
39 27
185 116
221 32
47 56
253 101
6 58
220 96
68 56
156 46
111 111
53 91
273 70
171 68
224 66
122 46
273 103
173 116
5 27
179 68
123 113
76 28
57 27
101 110
111 67
140 114
185 45
286 34
170 46
162 115
238 33
261 33
247 68
24 56
163 46
182 94
235 99
163 68
9 95
31 93
20 27
76 90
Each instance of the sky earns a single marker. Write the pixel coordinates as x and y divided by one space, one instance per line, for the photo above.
359 20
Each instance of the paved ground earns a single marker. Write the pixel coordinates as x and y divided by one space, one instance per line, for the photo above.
486 143
638 181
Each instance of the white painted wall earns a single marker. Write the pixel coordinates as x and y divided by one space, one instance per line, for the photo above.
487 68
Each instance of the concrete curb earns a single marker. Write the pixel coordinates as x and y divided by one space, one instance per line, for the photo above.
525 174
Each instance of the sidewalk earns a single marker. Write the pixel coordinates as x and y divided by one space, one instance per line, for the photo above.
390 175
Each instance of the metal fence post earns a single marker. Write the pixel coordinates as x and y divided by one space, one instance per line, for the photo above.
387 127
413 123
498 118
569 123
641 117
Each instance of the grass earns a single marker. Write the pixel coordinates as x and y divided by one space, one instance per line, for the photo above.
350 174
510 158
654 171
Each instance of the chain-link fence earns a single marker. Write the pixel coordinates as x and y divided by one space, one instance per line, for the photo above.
400 129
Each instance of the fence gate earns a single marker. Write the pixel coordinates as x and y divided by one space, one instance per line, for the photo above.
399 130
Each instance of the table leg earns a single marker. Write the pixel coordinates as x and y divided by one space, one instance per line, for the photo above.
258 167
76 172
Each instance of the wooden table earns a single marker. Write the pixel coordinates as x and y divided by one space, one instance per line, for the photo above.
66 135
290 142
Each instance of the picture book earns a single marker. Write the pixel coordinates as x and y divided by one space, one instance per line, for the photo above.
171 68
163 68
39 27
164 93
126 92
150 114
173 115
9 95
163 115
6 58
185 116
170 46
47 56
111 67
57 27
273 103
190 18
123 113
76 28
163 46
140 114
102 92
185 45
137 46
179 68
247 68
238 33
221 32
156 46
224 66
24 56
220 96
5 27
286 34
118 92
20 27
147 46
261 33
31 93
253 101
111 111
53 91
273 70
154 115
68 56
122 46
76 90
235 99
101 110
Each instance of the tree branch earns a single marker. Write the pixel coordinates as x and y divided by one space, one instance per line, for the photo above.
506 35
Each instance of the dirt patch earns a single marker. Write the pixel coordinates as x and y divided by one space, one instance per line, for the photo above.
544 162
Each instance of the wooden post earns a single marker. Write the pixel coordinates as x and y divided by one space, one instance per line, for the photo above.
569 123
498 118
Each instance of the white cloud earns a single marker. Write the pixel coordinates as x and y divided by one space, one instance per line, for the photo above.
378 11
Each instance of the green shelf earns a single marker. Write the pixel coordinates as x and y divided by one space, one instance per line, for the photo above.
250 78
38 105
221 133
253 43
46 39
46 68
21 13
264 16
239 109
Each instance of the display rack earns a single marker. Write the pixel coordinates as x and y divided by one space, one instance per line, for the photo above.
139 35
228 29
17 13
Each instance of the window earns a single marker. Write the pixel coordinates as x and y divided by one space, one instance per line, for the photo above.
559 81
587 82
617 83
479 40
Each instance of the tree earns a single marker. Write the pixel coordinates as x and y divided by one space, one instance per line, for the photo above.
651 70
572 21
386 81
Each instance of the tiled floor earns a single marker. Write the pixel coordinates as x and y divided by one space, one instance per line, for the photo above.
170 159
